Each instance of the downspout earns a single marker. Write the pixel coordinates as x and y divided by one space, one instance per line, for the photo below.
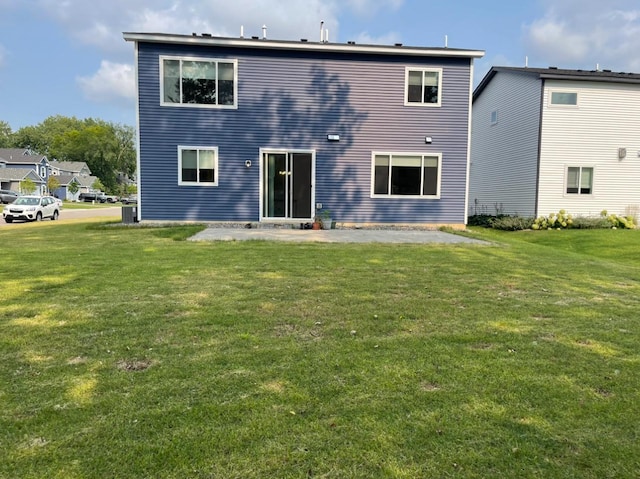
138 182
466 187
536 213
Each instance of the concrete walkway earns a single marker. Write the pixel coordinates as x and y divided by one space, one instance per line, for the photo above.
332 236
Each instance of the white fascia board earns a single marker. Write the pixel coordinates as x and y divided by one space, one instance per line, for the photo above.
300 46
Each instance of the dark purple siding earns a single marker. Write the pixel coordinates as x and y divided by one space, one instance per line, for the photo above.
294 100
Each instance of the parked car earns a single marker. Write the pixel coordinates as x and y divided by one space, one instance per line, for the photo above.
8 196
129 200
98 197
31 208
111 198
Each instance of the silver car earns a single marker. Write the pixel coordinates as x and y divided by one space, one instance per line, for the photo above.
31 208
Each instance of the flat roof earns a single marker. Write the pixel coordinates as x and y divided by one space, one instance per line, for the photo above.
302 45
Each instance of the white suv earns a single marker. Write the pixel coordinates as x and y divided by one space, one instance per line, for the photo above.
32 208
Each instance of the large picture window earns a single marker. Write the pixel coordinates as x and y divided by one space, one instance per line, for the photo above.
400 174
198 82
423 86
579 180
198 166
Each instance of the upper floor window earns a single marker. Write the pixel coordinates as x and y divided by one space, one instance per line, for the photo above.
579 180
198 82
198 165
565 98
406 174
423 86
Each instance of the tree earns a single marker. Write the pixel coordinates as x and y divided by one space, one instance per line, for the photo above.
107 148
27 186
97 185
52 184
6 135
73 187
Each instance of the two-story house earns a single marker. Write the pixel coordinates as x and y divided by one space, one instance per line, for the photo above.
546 139
257 130
19 164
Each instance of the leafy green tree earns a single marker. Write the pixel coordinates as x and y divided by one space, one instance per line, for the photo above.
97 185
27 186
107 148
6 135
73 187
52 184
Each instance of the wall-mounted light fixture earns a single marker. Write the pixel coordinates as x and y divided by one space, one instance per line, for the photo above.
247 163
428 140
333 137
622 153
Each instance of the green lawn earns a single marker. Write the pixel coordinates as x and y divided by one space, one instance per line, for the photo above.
128 353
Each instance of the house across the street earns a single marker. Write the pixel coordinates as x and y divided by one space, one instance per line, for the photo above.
258 130
547 139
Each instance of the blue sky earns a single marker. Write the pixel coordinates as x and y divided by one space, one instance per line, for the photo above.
67 57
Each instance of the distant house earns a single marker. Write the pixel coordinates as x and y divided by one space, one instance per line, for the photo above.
78 168
257 130
546 139
63 191
23 159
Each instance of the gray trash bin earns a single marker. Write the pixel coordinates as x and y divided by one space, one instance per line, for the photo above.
129 215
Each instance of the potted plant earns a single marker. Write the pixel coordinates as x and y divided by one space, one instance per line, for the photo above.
317 223
325 219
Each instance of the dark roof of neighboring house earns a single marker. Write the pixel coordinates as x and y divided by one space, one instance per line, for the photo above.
86 181
17 174
302 45
20 155
64 180
75 166
553 73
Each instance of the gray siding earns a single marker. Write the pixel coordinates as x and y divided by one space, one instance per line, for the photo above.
504 156
294 100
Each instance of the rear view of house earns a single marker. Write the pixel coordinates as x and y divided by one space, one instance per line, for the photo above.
549 139
256 130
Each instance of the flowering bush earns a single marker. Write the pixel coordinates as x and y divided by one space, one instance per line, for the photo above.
563 220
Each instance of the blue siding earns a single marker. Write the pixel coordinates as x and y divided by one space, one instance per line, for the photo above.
294 100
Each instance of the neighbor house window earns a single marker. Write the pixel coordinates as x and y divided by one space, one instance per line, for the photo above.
198 166
198 82
564 98
579 180
423 86
398 174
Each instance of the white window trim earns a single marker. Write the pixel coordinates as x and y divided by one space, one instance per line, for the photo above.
563 105
566 178
199 59
406 87
198 183
404 153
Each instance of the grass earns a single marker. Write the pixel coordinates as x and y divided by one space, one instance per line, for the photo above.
126 352
83 205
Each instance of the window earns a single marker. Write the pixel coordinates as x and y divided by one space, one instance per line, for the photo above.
400 174
494 117
198 166
198 82
423 86
564 98
579 180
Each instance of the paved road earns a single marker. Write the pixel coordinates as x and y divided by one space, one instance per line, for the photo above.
70 215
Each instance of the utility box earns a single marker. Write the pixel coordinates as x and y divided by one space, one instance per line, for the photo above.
129 215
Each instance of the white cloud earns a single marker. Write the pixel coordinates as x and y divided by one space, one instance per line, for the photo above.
582 34
387 39
112 82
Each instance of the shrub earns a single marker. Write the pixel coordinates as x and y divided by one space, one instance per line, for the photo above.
562 220
511 223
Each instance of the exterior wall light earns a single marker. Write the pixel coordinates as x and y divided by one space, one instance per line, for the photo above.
247 163
333 137
428 140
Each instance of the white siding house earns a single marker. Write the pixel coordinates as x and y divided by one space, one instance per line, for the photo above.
548 139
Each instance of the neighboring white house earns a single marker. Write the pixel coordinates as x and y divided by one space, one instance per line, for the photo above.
548 139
